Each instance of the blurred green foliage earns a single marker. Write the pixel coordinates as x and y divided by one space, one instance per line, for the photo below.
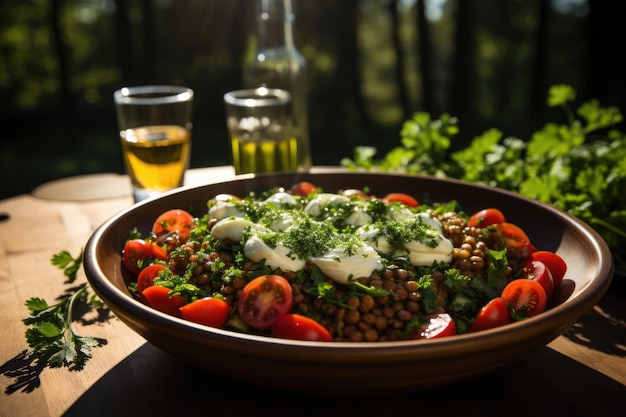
60 62
578 166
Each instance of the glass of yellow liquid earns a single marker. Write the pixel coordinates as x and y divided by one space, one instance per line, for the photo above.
155 131
260 125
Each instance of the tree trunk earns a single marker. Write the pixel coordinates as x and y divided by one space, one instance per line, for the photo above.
400 79
461 98
348 61
538 87
123 41
148 63
67 104
424 58
606 63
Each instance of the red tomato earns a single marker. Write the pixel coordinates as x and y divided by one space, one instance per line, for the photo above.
403 198
438 325
554 262
171 221
538 271
298 327
147 275
494 314
209 311
138 254
159 298
303 189
486 217
516 239
524 298
263 299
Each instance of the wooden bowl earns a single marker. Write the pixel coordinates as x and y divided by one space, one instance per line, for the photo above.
358 368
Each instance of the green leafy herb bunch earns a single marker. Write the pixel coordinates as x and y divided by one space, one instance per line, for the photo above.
578 165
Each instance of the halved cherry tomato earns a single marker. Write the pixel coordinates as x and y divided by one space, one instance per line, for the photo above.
538 271
524 298
494 314
303 189
147 275
263 299
403 198
436 325
175 220
486 217
515 238
158 298
299 327
209 311
138 254
554 262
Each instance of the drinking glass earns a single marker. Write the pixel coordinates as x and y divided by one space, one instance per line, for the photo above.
155 126
260 125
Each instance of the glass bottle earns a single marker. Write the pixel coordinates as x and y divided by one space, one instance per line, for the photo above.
278 64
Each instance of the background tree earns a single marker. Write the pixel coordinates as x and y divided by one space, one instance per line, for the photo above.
371 64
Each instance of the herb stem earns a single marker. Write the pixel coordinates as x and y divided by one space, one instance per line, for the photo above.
609 226
70 307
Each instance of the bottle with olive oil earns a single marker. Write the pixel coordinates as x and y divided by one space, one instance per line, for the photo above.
277 63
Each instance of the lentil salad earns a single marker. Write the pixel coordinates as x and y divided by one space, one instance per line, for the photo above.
428 264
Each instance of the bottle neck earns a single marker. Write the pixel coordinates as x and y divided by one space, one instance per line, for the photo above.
275 24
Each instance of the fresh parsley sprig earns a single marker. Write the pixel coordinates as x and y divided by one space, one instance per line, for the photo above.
70 265
50 334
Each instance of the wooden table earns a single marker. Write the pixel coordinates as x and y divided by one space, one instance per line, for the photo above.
581 373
